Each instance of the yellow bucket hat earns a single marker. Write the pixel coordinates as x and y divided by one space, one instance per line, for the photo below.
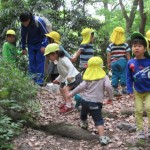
94 70
148 35
12 32
50 48
86 34
55 36
118 36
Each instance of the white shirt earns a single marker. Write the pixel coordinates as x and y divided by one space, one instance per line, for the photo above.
66 69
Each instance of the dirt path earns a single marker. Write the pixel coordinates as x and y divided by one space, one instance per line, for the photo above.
36 140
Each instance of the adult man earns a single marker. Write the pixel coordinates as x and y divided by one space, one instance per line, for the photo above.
33 30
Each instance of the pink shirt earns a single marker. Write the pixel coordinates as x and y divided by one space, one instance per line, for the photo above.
93 91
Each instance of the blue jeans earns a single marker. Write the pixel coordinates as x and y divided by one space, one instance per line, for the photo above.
94 109
119 72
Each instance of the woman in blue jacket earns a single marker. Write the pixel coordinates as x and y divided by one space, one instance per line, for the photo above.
33 30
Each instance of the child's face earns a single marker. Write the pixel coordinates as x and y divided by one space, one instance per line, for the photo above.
138 50
52 57
11 38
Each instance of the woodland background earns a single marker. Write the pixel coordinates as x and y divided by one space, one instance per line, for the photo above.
22 102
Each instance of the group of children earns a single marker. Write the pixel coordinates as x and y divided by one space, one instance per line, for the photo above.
133 72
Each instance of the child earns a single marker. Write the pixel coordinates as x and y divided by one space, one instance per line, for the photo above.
118 53
138 81
9 51
54 37
68 77
95 81
85 50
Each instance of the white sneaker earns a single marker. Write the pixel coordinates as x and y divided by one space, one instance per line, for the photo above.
104 140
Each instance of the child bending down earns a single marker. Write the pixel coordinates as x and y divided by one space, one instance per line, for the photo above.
95 81
68 78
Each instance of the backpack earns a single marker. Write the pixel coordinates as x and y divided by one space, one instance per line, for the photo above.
46 21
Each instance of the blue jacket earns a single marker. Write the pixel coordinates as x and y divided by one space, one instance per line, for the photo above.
138 75
34 34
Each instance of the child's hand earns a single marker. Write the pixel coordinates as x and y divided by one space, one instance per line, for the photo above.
24 52
70 79
42 49
56 82
73 59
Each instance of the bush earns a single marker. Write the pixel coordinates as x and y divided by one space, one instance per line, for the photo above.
8 129
17 96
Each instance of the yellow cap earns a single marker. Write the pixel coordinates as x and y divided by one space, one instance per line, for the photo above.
118 36
94 70
148 35
55 36
50 48
12 32
86 34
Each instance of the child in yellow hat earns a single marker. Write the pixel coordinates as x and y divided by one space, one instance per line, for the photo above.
95 81
9 51
85 50
118 53
51 67
68 78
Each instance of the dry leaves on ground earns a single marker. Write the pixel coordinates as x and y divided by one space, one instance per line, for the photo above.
37 140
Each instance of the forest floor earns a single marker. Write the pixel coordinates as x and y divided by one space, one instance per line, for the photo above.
116 128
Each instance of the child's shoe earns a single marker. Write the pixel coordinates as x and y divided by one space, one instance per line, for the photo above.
140 134
117 93
66 109
104 140
124 90
84 125
62 106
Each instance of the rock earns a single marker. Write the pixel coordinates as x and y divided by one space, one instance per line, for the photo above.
127 127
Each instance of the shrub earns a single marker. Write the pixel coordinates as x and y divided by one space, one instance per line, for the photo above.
17 96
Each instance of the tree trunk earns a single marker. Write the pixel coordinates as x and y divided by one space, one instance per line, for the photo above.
129 19
143 17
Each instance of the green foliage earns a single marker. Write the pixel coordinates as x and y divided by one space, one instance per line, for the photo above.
16 87
17 101
8 130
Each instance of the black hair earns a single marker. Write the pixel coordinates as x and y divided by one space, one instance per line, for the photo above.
25 16
50 40
60 53
140 41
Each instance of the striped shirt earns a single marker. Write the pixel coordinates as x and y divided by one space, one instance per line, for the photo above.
118 51
86 53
